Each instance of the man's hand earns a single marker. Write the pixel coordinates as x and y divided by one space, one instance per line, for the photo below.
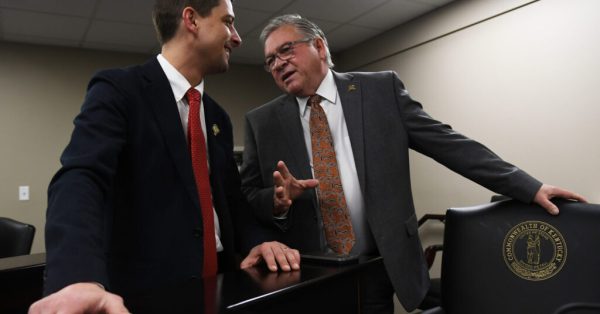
80 298
273 254
287 188
547 192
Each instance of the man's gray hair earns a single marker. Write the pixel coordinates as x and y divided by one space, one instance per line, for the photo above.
304 26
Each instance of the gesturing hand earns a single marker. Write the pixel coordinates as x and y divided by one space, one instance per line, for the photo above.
287 188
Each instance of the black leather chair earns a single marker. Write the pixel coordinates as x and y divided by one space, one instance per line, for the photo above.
433 298
16 237
511 257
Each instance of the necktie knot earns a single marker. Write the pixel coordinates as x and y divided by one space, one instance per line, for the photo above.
314 100
193 95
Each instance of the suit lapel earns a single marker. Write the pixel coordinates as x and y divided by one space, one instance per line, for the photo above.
217 155
350 93
290 126
213 128
159 96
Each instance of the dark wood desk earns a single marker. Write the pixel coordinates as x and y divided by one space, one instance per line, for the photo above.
313 289
21 282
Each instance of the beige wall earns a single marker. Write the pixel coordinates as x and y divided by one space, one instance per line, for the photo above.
520 76
41 91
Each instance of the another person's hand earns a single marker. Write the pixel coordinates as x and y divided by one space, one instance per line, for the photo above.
273 254
548 192
287 188
80 298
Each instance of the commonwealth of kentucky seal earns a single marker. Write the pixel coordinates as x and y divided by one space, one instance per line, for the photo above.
534 250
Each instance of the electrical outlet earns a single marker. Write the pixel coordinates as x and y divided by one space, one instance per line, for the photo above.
24 193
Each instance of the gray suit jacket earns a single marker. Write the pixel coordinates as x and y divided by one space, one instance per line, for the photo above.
383 123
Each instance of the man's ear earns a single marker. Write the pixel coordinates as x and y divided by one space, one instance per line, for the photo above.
188 16
320 46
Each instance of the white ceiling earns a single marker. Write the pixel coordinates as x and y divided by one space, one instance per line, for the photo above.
126 25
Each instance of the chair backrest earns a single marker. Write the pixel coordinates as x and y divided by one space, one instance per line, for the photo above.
511 257
16 237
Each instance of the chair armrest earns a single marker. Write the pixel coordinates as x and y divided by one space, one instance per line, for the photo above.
440 217
430 253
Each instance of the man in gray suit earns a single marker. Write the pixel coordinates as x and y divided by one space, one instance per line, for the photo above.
373 122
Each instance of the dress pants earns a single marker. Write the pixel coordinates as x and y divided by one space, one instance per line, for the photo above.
376 291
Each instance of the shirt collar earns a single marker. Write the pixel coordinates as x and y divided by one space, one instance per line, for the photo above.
327 90
179 84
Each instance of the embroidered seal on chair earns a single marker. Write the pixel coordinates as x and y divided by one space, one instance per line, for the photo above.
534 250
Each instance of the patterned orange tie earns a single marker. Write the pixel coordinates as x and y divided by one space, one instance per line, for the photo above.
197 146
336 218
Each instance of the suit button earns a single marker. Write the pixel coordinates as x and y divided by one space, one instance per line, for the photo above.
197 232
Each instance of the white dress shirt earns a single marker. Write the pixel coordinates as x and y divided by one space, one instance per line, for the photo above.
180 85
332 106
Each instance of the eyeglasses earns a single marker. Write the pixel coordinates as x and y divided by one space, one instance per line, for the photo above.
284 53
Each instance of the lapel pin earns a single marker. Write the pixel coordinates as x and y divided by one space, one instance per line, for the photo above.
215 129
351 87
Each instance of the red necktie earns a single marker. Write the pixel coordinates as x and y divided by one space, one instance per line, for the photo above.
336 218
197 146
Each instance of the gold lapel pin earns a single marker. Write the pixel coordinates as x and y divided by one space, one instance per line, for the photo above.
215 129
351 87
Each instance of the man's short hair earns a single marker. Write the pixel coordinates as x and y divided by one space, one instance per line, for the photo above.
167 15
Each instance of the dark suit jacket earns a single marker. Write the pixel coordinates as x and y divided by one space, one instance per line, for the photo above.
124 210
383 123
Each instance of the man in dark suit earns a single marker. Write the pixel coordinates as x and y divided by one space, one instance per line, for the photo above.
124 211
373 123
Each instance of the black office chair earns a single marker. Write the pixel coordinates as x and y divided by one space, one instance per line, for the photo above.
16 237
511 257
433 298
